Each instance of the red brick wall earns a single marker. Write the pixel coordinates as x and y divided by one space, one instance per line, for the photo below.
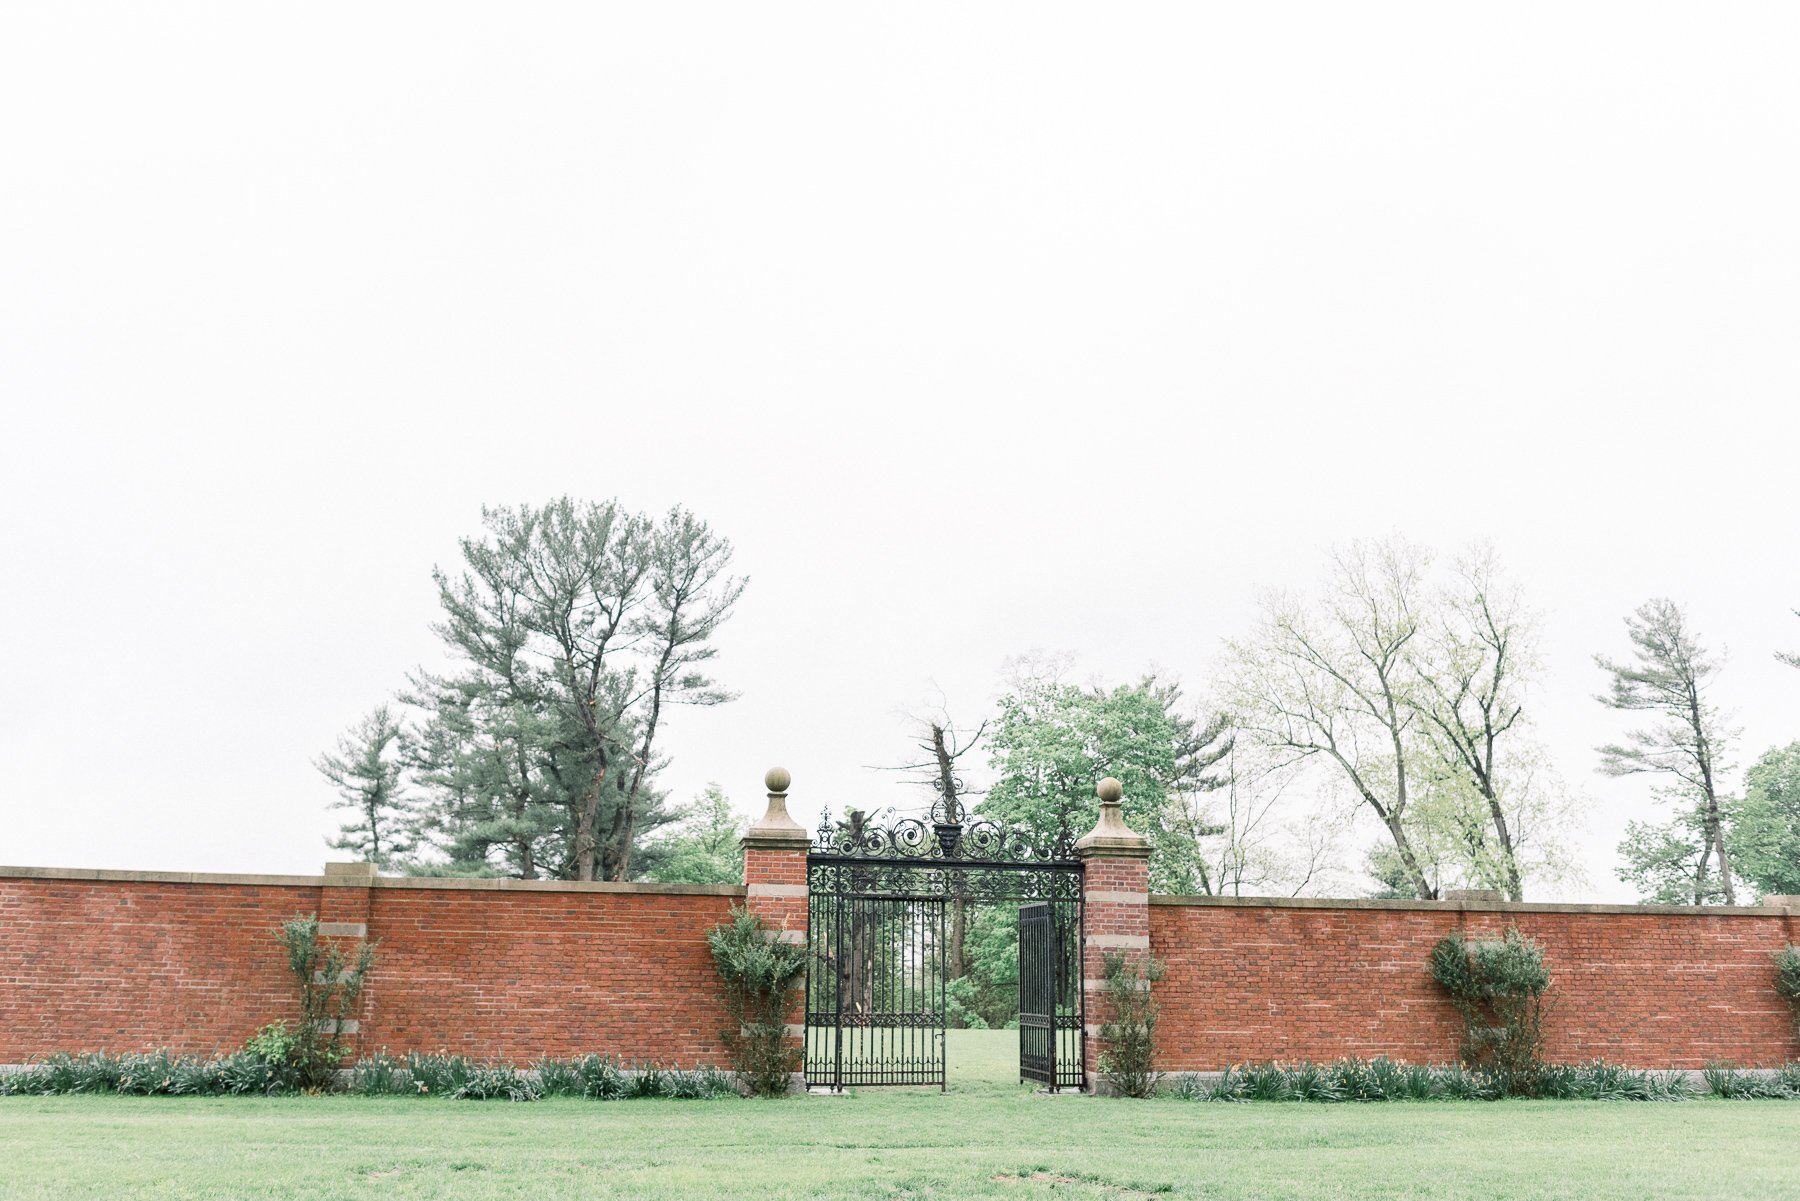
509 973
1639 987
88 965
104 961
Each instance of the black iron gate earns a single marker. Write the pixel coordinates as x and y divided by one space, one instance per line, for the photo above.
875 990
877 970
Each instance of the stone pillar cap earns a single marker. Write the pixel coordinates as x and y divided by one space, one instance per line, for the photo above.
1111 838
350 873
776 831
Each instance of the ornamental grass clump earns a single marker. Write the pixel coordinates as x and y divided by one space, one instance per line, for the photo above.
1128 1063
1730 1083
760 973
1497 986
1384 1079
497 1082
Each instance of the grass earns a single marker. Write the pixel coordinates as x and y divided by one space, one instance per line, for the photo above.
988 1137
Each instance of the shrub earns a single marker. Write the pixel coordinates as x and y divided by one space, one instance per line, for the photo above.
280 1052
330 983
1787 980
1497 986
1128 1063
760 973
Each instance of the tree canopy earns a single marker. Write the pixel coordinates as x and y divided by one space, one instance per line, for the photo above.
570 629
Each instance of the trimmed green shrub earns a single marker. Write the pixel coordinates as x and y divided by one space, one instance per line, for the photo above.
1497 986
760 973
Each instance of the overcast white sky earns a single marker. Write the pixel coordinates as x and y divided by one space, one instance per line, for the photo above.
978 328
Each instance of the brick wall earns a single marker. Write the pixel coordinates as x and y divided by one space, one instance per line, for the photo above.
1639 986
122 961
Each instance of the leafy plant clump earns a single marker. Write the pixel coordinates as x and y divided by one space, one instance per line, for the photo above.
1384 1079
1732 1083
1497 986
260 1069
1129 1062
330 983
760 973
1787 980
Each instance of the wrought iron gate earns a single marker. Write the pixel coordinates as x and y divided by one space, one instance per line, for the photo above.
1049 996
875 990
877 940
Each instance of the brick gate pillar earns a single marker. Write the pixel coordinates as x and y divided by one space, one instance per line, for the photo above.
775 877
1115 876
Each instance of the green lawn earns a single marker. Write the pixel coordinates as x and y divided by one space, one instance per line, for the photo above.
987 1138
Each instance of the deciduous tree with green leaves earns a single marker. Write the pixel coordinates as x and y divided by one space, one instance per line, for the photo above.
1765 824
702 846
1053 742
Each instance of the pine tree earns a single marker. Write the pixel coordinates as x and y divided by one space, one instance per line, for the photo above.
368 775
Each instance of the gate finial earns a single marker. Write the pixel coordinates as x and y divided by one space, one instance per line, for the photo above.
776 830
1111 838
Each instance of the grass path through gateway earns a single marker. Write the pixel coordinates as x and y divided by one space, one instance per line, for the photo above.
986 1138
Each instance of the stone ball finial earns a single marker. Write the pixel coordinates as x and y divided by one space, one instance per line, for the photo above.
777 779
1110 791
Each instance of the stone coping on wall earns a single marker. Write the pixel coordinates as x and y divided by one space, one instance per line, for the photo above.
1789 906
477 883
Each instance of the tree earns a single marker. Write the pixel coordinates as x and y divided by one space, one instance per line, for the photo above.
1765 825
367 773
1335 683
1791 658
702 847
1053 742
1408 684
1667 861
943 746
572 628
1471 664
1668 677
